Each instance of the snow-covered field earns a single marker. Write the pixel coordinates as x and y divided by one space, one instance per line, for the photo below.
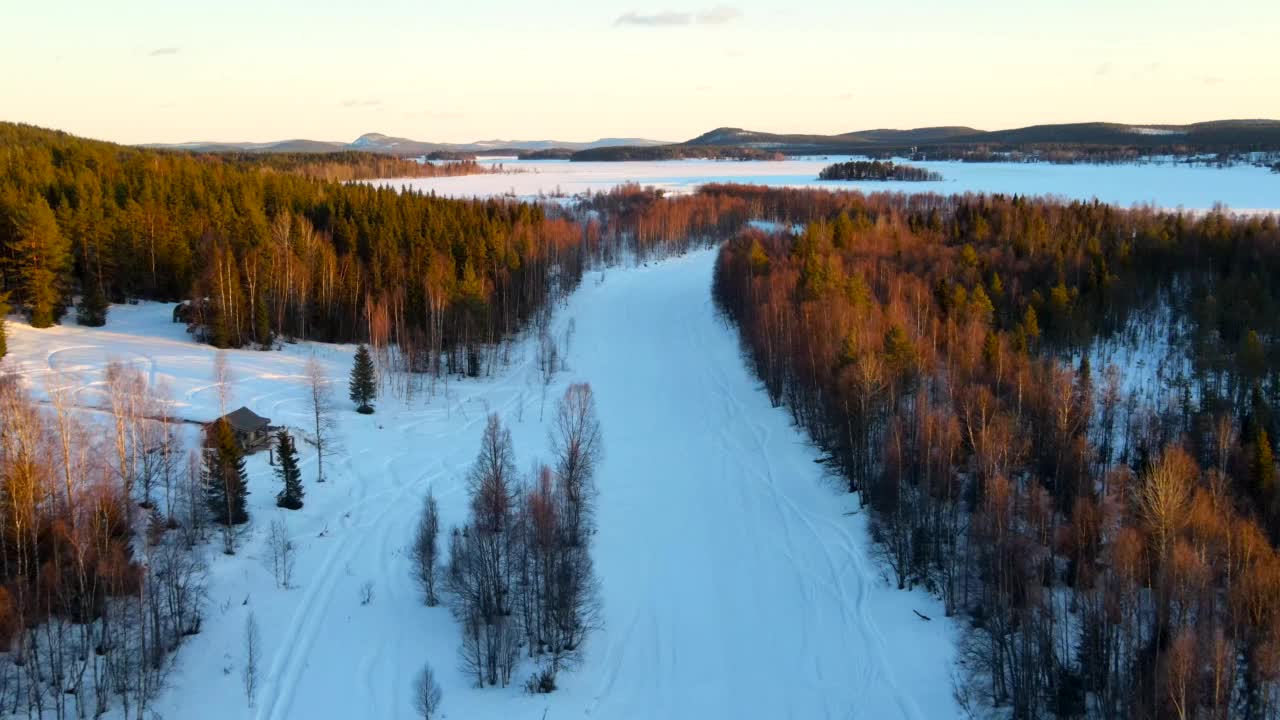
736 577
1168 185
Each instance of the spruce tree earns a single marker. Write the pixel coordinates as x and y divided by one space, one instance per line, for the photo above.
290 497
93 306
43 257
981 305
1263 466
225 477
363 385
261 323
1031 325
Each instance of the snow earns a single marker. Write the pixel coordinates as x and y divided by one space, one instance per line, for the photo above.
1169 185
1156 131
736 577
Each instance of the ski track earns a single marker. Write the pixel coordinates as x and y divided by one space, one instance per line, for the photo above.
734 584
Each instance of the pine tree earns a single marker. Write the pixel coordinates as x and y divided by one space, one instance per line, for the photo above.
363 385
980 305
1263 466
290 497
43 257
225 477
1031 325
991 351
93 307
261 323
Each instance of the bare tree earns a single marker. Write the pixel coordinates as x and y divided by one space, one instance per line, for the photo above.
1164 497
548 362
191 501
481 564
426 548
222 381
127 392
249 673
576 441
282 550
426 693
159 448
321 398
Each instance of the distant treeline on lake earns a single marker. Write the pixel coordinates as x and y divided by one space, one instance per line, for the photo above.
876 170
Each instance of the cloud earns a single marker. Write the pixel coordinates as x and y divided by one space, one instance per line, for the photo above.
718 15
361 103
158 52
660 19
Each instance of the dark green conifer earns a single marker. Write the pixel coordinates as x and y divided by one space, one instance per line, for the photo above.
93 306
363 381
1263 466
43 257
290 496
225 481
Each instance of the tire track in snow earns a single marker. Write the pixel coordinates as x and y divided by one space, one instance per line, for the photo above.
292 658
836 581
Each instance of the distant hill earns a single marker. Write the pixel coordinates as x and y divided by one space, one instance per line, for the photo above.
1098 139
727 136
405 147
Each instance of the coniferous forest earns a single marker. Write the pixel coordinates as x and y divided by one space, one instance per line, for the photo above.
264 250
1109 553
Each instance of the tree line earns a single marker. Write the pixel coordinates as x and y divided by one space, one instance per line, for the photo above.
265 252
349 165
877 170
260 253
98 580
1110 558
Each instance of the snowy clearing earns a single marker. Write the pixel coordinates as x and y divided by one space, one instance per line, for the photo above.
737 580
1168 185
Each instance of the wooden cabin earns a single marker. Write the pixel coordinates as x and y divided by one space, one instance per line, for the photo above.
252 431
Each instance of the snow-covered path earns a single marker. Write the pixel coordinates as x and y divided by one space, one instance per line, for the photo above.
736 581
736 585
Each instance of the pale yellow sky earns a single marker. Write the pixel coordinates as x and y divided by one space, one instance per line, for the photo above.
152 71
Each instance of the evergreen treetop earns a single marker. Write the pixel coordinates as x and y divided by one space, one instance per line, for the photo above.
363 381
93 306
290 496
227 486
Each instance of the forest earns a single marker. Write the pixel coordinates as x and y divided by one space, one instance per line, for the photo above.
1108 553
876 170
271 251
351 165
1109 558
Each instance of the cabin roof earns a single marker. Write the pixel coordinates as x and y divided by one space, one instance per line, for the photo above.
246 420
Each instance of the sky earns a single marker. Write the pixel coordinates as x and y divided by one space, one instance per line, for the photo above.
449 71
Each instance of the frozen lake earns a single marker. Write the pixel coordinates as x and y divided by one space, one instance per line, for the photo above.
1165 184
